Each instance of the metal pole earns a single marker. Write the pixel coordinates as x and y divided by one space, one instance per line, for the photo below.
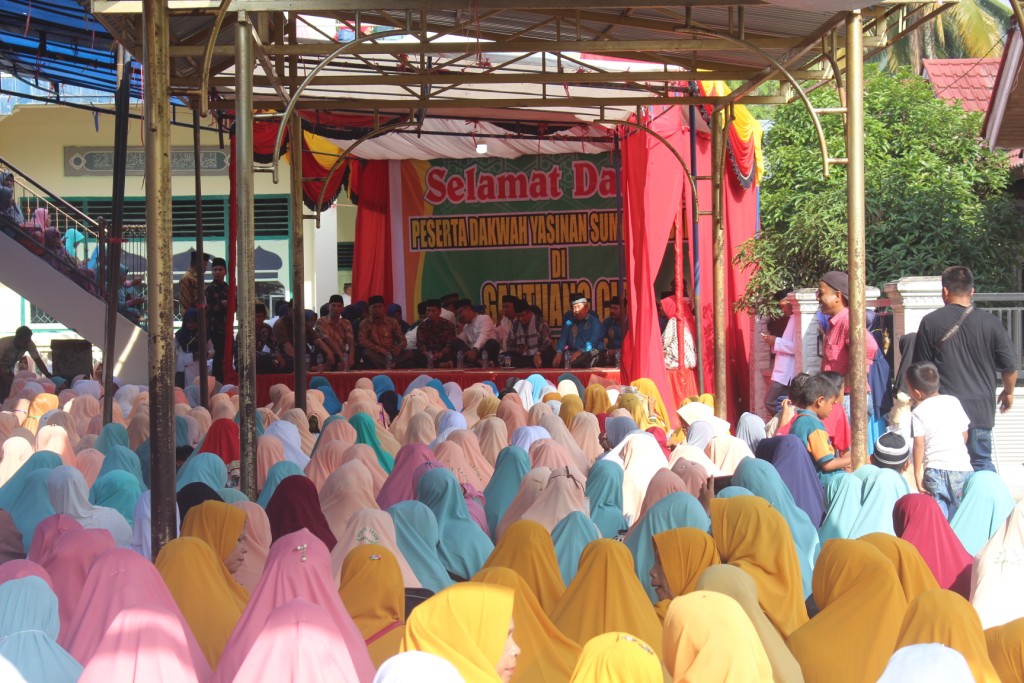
204 389
298 245
115 231
617 158
246 260
161 287
718 257
857 377
698 313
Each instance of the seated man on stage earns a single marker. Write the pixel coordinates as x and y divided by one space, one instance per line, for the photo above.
448 303
582 335
338 334
380 335
478 335
507 322
434 338
529 342
614 331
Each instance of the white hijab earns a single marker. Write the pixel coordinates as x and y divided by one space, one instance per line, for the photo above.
414 667
927 663
142 525
69 496
288 435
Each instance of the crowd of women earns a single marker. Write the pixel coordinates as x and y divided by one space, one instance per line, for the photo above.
536 532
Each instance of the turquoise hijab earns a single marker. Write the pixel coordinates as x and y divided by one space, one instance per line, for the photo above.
124 459
207 468
416 532
671 512
32 505
539 383
734 492
275 475
436 385
842 507
382 383
763 480
366 432
39 460
604 491
29 624
332 404
112 434
510 467
881 489
463 547
119 490
230 495
570 536
986 505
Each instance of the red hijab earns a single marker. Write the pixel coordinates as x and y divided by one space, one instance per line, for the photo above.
295 506
222 440
918 519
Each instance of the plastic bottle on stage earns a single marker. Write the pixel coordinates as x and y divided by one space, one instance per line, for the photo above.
568 359
389 361
430 360
344 361
460 360
618 359
484 360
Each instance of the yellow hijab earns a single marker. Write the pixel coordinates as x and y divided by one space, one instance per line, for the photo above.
738 585
617 658
752 535
634 405
1006 650
217 523
547 654
945 617
862 607
488 406
648 388
374 595
607 596
571 407
467 624
527 549
709 639
684 553
211 601
915 576
595 400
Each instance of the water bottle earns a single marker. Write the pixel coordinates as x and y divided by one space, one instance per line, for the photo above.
388 360
430 361
618 359
567 358
484 360
460 360
344 361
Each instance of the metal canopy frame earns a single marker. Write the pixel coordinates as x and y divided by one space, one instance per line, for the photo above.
563 61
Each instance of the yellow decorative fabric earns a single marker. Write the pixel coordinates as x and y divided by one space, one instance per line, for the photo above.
526 548
945 617
862 606
374 595
685 553
467 624
753 536
211 601
219 524
709 639
606 596
1006 650
915 576
617 658
548 656
746 127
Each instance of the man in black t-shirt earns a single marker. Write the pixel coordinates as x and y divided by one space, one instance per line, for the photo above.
968 358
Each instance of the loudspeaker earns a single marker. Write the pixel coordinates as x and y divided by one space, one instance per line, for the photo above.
71 357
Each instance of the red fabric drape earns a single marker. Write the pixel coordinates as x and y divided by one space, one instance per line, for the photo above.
371 263
652 182
741 216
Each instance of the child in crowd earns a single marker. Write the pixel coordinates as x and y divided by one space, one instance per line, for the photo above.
939 426
818 397
837 424
891 452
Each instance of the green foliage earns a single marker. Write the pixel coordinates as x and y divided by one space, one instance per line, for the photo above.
935 196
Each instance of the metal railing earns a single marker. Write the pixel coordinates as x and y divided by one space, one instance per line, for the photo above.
1009 308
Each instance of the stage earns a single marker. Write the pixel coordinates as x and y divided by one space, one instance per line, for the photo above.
343 382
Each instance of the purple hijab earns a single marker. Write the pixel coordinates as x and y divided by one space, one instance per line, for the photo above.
793 463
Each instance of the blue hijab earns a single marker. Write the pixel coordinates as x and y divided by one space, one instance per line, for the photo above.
604 490
332 404
986 505
207 468
734 492
493 386
382 383
843 496
762 479
29 624
275 475
39 460
366 433
570 536
671 512
882 487
789 458
119 490
463 547
539 384
32 505
124 459
416 533
111 435
510 467
618 428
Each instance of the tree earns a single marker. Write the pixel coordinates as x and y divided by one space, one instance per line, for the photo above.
935 195
969 28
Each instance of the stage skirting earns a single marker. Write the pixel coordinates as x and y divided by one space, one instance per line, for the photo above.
343 382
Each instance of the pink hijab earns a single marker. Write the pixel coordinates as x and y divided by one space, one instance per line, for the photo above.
121 579
298 568
59 418
376 527
269 451
16 451
68 563
83 408
453 456
551 454
562 496
338 430
529 490
511 412
421 430
366 455
586 430
46 535
19 569
664 483
328 457
726 452
348 490
560 433
474 453
400 483
54 438
89 462
257 544
493 437
415 403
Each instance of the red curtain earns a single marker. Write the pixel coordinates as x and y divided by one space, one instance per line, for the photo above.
371 263
652 182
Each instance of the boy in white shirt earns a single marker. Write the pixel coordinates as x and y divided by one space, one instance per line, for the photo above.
939 426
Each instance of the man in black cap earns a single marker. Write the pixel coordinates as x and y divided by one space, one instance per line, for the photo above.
834 301
448 302
380 335
217 314
614 331
478 335
530 345
337 333
582 335
434 338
